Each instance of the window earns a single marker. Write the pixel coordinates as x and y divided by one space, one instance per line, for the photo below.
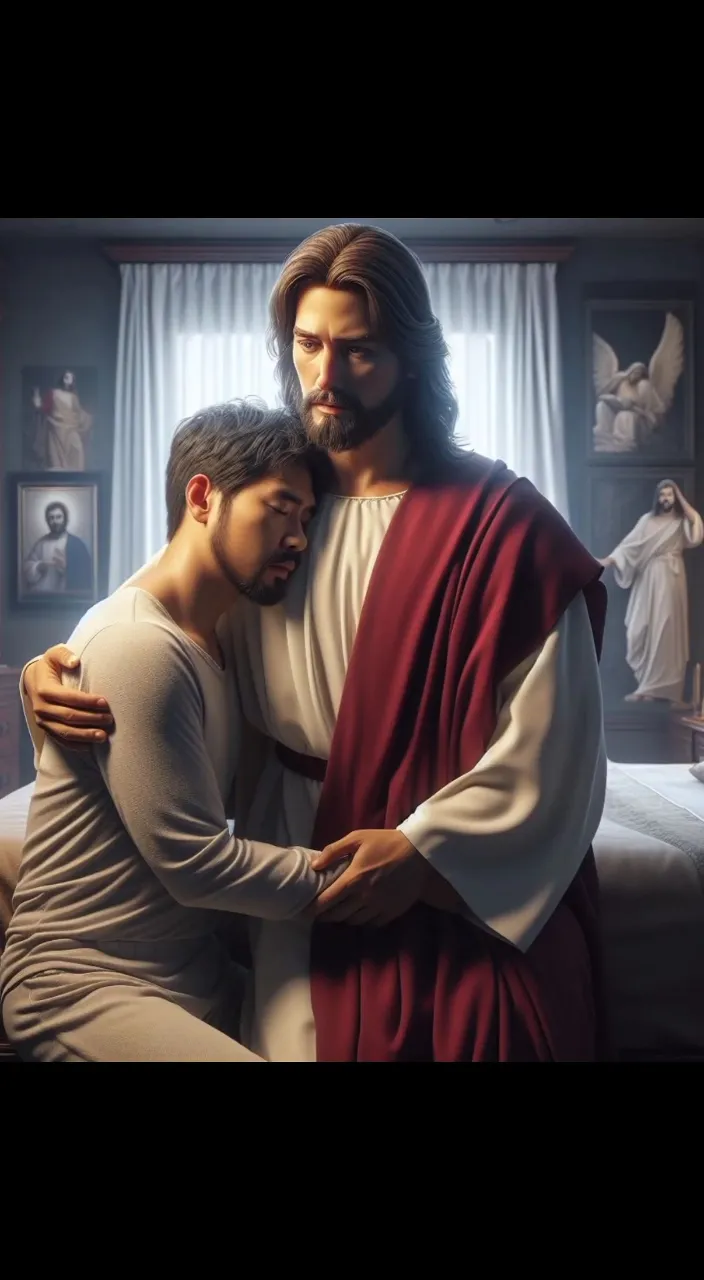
214 367
473 368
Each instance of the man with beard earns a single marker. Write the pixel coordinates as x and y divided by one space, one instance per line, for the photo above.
650 562
59 562
129 868
428 702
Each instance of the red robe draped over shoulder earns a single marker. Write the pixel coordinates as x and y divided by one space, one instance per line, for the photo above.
471 579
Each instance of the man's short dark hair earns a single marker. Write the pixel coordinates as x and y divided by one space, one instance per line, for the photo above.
234 445
56 506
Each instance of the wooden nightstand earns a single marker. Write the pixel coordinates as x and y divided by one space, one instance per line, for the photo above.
689 734
9 730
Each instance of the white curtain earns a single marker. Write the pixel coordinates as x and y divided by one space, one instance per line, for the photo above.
501 323
193 335
190 336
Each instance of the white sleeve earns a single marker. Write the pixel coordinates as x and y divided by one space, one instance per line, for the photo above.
693 530
31 564
511 834
162 782
628 556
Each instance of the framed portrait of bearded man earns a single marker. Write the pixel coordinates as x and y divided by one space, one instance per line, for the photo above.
57 538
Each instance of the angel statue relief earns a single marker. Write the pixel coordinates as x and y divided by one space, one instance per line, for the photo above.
632 404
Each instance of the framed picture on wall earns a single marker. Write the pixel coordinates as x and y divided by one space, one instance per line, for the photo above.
59 404
55 538
640 379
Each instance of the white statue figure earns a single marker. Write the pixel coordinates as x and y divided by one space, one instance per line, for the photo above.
633 403
650 562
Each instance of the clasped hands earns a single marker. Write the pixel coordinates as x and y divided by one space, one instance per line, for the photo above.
386 877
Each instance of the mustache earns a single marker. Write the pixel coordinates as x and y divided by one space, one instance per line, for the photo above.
284 557
332 399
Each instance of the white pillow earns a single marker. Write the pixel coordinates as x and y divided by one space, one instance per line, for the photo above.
697 771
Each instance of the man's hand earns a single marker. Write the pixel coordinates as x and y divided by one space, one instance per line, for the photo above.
386 878
690 513
71 718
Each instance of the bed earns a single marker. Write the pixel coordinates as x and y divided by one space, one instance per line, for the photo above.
650 857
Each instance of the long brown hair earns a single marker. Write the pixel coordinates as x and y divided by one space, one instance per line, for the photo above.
373 262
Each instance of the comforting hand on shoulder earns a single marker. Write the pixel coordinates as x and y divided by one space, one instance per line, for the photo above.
386 877
70 717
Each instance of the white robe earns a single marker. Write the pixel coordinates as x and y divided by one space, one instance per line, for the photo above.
44 552
509 836
649 562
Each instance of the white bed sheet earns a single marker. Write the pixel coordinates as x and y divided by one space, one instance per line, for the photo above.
650 857
674 782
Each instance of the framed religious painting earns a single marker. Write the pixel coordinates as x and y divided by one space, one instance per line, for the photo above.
59 404
56 539
640 374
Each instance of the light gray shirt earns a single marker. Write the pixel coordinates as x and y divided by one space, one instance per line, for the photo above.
129 857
